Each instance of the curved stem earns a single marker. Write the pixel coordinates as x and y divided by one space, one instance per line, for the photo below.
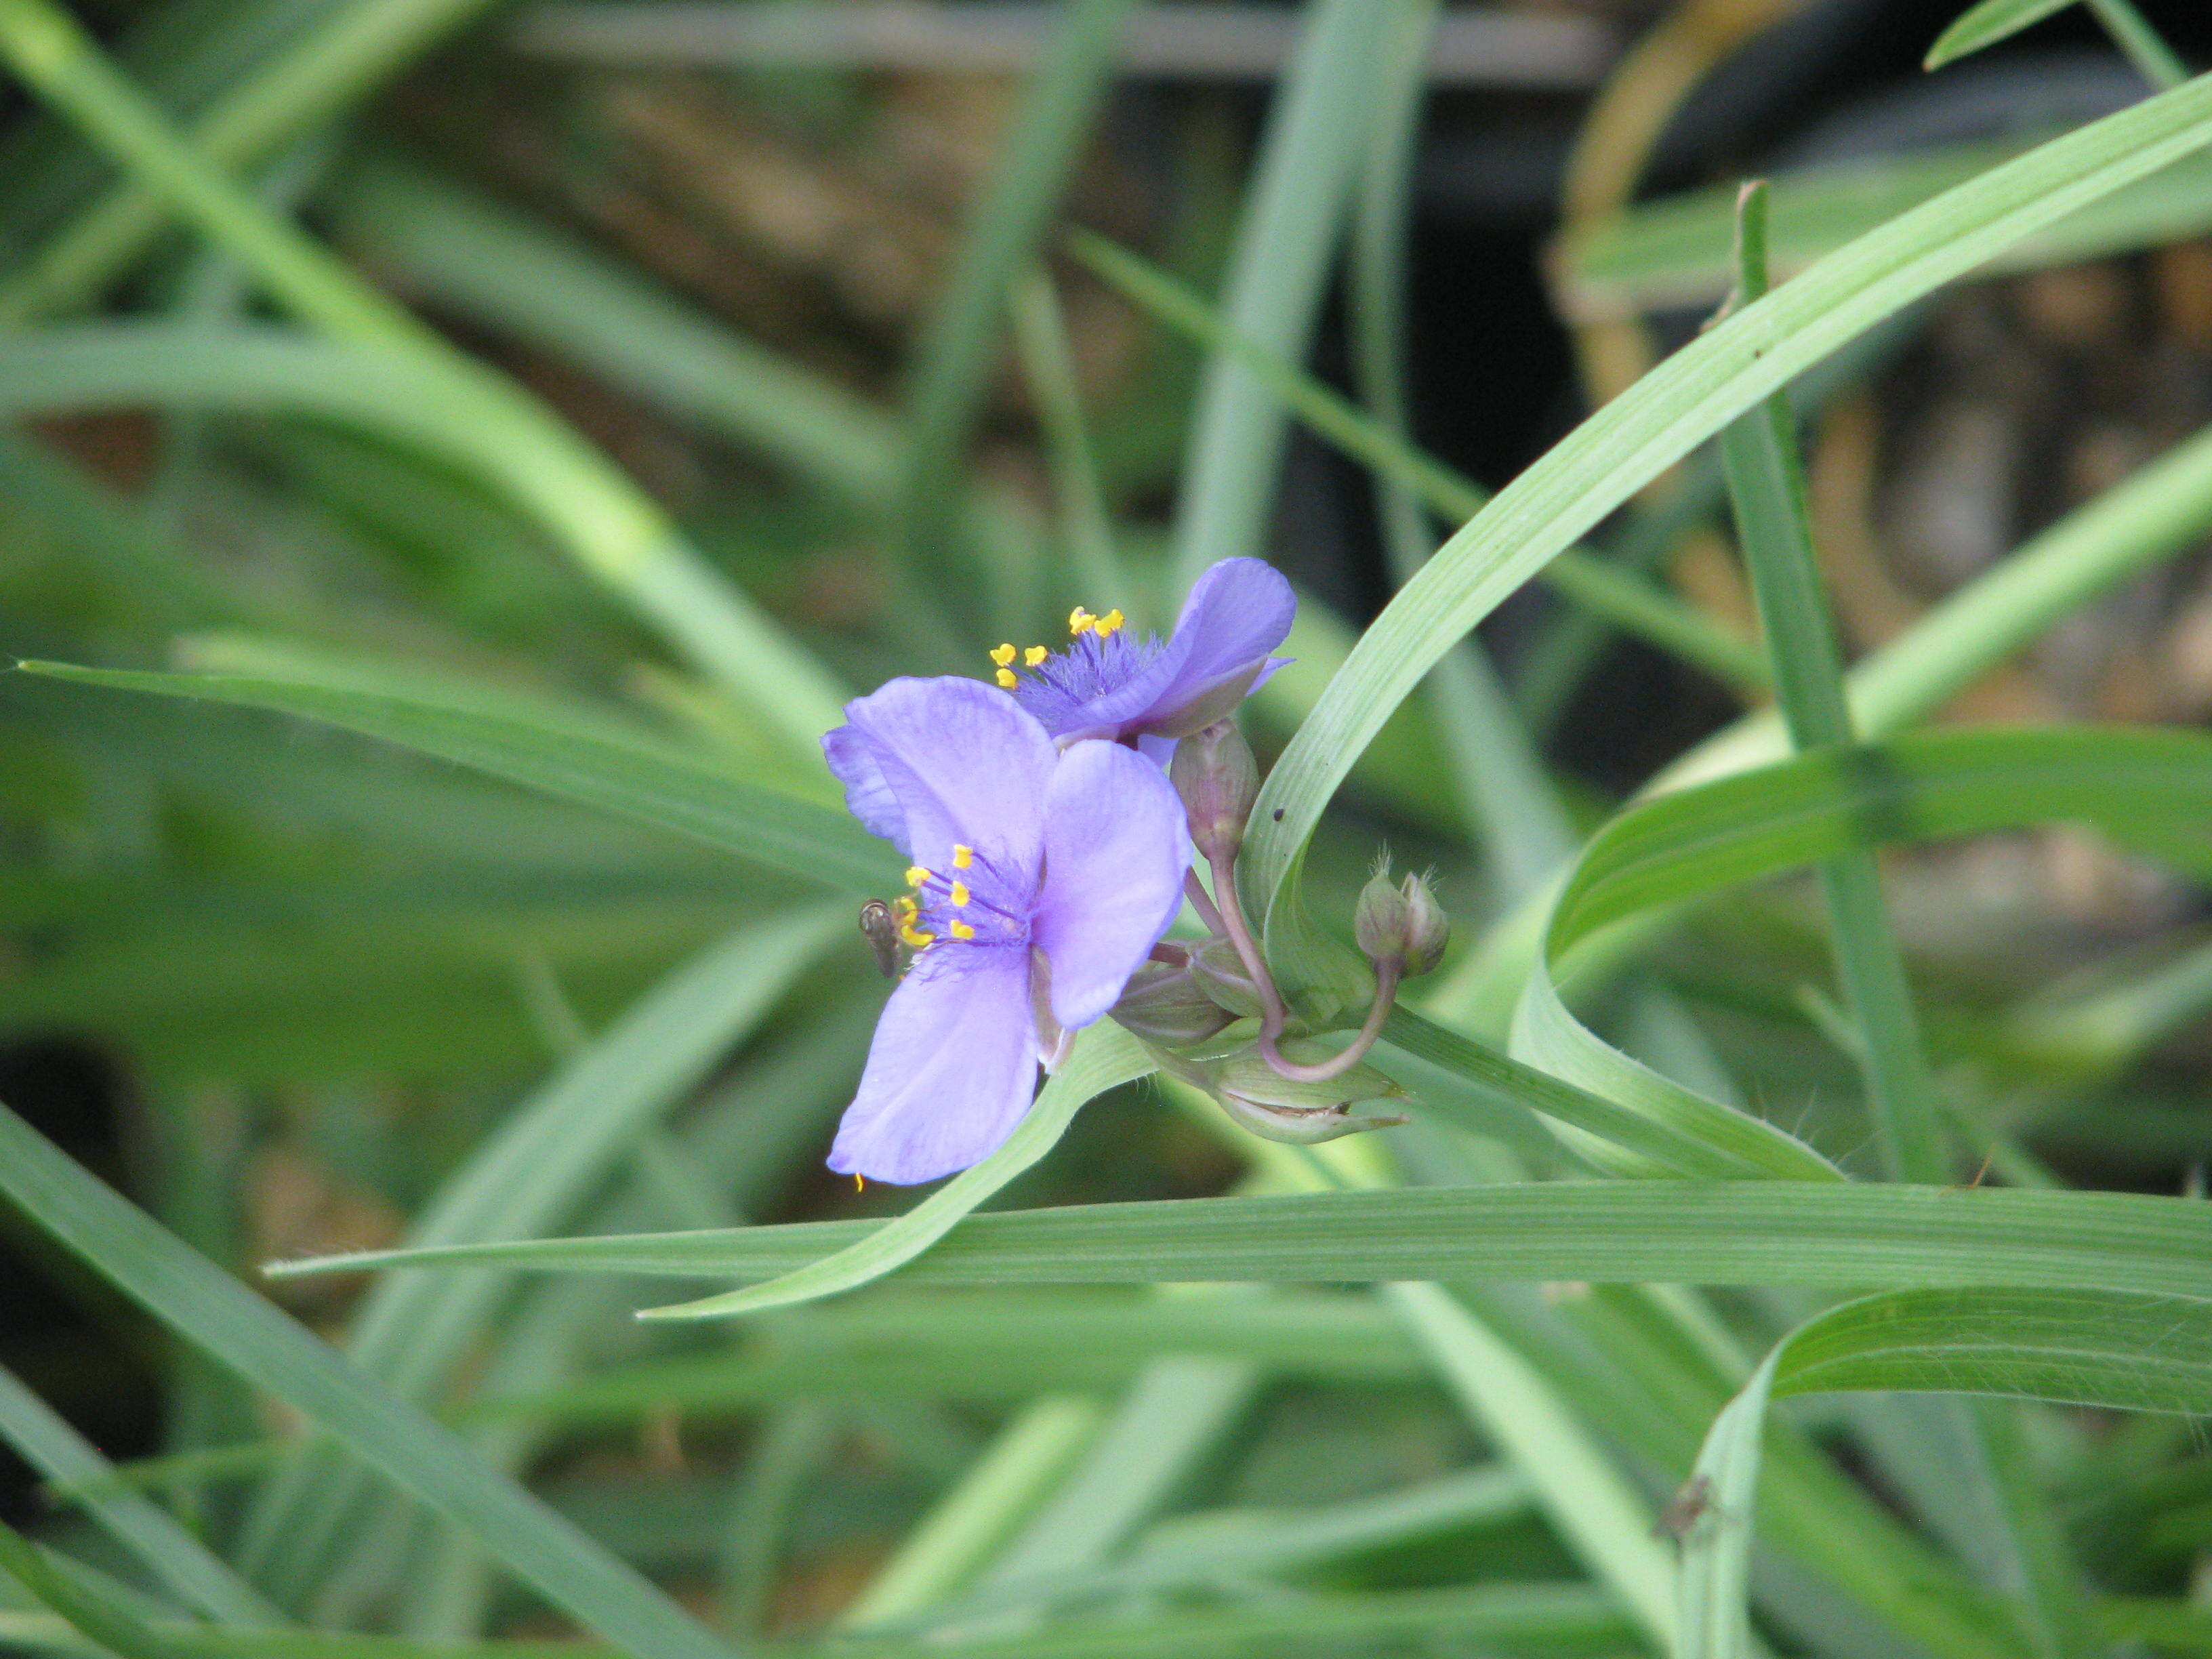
1273 1018
1231 916
1202 902
1387 973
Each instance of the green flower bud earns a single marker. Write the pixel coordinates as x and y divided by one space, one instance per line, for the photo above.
1219 971
1215 772
1401 921
1249 1078
1379 921
1428 927
1163 1004
1260 1100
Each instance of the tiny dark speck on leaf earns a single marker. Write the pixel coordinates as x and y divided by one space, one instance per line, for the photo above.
1278 815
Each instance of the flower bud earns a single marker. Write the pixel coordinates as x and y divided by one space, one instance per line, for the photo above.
1218 971
1379 921
1428 926
1163 1003
1258 1099
1215 772
1401 921
1248 1076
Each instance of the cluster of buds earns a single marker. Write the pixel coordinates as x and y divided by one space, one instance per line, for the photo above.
1211 1013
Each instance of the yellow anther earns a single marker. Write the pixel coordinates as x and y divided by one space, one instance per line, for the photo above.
903 911
917 937
1079 619
959 895
1006 680
1003 655
859 1185
961 930
1108 624
916 875
1034 655
963 856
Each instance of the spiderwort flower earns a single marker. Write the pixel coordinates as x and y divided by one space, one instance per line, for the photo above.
1106 685
1041 878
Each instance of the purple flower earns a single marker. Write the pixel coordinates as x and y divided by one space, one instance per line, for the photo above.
1041 878
1107 684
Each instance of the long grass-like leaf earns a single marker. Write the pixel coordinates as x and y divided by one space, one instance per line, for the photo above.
193 1297
1687 399
1644 1231
2133 1353
1104 1057
185 1566
543 745
531 1175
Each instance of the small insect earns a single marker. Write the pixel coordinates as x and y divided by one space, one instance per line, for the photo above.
1684 1509
1278 815
880 928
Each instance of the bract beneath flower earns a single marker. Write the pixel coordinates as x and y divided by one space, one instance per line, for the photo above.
1108 684
1041 879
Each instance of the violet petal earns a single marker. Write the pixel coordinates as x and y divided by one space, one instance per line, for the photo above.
951 1071
1237 612
932 763
1113 863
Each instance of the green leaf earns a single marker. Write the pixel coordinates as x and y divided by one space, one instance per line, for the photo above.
1574 1476
1629 602
992 1347
2086 1348
2151 789
74 1593
1104 1057
501 270
1293 214
454 411
1723 1232
1687 399
184 1565
1986 24
1503 1617
1672 253
196 1299
545 747
531 1175
956 354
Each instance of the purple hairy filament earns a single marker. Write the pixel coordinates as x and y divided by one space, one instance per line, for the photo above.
1100 658
974 902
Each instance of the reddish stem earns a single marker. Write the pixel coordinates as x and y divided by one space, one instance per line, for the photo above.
1273 1016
